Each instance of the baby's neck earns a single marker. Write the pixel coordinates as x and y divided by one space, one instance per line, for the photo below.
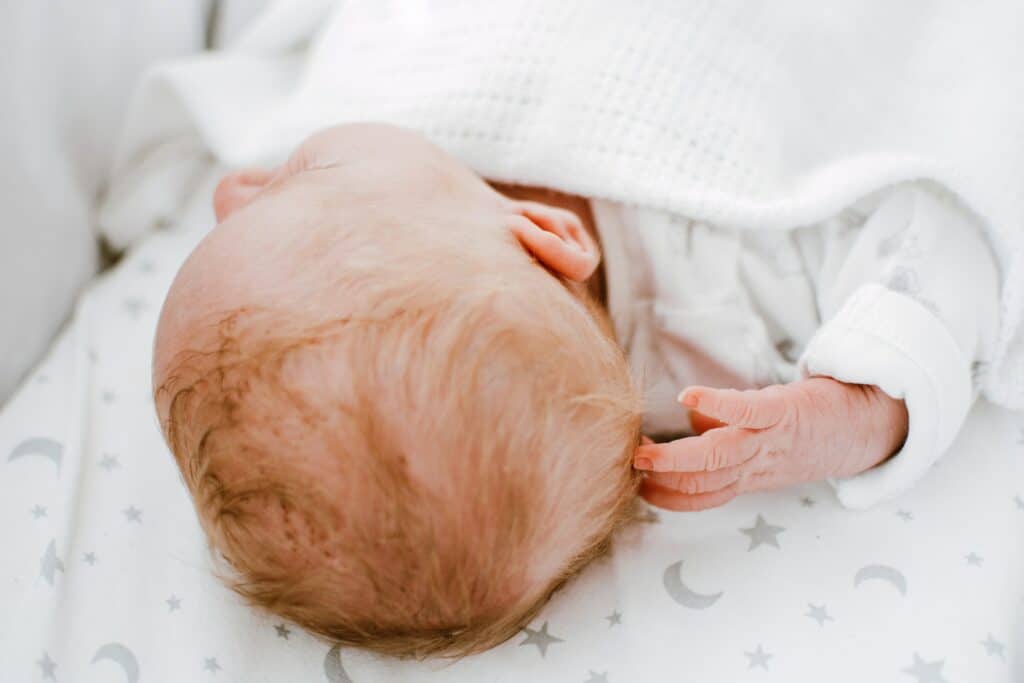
580 206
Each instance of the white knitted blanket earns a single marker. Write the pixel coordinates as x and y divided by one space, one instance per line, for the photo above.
755 114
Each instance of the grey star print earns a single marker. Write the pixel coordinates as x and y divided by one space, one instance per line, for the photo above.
758 658
926 672
597 677
50 564
89 558
614 619
173 603
48 666
905 515
38 511
763 533
540 638
282 631
818 613
109 462
807 502
993 647
974 559
210 664
132 514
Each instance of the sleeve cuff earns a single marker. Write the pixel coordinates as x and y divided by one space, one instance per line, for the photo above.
890 340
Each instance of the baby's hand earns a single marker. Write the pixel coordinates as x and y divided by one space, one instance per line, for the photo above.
769 438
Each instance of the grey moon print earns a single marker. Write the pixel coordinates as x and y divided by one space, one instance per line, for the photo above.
333 669
116 652
682 593
40 447
882 573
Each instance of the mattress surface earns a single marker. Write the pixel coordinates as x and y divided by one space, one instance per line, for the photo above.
105 575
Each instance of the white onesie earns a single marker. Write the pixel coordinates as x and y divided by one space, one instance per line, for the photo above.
900 291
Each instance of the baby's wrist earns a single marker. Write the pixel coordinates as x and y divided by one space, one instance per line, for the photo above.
880 419
890 414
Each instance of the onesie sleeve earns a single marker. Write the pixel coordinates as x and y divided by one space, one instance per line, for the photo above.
913 309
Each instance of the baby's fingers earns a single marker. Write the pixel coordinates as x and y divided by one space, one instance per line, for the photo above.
755 409
681 502
713 450
692 483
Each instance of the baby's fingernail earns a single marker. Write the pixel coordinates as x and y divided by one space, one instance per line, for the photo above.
643 463
688 400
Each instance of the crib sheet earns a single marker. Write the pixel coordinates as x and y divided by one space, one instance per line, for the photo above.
105 576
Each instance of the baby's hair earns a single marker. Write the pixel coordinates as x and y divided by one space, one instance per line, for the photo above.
416 476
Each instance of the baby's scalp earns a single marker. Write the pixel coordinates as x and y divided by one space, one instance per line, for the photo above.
415 438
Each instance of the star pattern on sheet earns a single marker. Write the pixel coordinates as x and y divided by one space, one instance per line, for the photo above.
762 533
48 666
50 564
819 613
993 647
542 639
924 671
758 658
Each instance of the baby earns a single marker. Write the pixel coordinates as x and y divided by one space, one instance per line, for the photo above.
406 418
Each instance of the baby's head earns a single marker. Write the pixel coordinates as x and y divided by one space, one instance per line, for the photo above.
402 420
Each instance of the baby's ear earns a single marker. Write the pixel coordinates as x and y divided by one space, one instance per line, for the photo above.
556 237
237 189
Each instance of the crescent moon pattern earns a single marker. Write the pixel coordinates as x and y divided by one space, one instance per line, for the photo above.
883 573
333 669
116 652
41 446
681 593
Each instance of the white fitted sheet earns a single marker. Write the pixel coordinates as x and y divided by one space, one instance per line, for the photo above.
104 573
